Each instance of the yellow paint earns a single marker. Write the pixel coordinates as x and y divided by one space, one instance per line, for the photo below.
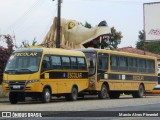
46 75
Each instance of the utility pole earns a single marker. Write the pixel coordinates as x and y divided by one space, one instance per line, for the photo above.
58 24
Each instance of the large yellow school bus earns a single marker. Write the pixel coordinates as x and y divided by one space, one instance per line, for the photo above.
112 73
45 72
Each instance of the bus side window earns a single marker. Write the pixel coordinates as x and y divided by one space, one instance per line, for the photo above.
123 63
103 62
114 62
46 64
66 62
56 62
74 64
142 65
81 63
150 66
133 65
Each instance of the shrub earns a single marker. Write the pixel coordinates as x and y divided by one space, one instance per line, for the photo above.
5 53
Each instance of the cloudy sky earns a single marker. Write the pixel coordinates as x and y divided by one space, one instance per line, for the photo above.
29 19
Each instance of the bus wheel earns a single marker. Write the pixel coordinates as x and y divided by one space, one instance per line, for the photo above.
114 95
73 95
46 96
103 94
13 98
139 93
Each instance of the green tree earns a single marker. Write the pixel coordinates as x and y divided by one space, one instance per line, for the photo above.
153 47
140 43
114 39
5 52
88 25
25 43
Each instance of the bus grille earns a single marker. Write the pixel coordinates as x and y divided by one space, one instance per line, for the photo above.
17 85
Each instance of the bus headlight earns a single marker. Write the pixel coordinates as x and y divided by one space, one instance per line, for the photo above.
6 81
32 81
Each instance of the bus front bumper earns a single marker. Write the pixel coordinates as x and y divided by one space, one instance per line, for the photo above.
30 87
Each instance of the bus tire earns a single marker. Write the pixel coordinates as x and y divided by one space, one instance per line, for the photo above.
46 96
73 95
139 93
103 94
13 98
114 95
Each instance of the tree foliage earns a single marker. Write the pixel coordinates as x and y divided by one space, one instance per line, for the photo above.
114 39
26 43
5 53
140 43
88 25
153 47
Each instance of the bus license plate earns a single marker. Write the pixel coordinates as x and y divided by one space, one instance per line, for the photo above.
16 86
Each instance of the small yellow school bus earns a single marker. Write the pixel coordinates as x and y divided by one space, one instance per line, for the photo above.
112 73
44 72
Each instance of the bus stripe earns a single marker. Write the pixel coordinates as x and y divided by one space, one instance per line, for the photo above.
128 77
65 75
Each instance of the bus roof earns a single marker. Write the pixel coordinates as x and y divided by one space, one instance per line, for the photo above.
56 51
117 53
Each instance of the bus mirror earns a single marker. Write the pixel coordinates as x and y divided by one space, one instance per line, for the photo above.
44 65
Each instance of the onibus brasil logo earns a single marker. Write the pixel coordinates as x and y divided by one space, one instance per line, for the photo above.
20 114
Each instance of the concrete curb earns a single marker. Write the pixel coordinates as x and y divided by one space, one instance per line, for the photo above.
4 99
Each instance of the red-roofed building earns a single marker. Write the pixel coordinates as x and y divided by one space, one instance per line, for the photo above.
137 51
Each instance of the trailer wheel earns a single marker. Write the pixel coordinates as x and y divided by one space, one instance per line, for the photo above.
139 93
73 95
103 94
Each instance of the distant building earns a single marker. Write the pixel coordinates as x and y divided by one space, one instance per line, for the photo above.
137 51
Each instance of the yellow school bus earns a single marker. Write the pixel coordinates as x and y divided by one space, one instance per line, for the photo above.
44 72
112 73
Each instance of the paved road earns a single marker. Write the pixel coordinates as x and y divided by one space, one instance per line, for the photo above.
94 106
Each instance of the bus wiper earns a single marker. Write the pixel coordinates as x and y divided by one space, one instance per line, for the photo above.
10 71
24 69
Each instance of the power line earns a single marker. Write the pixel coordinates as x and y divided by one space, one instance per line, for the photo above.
18 21
49 17
39 20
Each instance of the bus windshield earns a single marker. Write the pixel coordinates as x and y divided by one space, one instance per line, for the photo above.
23 63
91 59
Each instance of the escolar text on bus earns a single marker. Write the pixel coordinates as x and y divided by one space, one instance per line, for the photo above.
74 75
26 54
